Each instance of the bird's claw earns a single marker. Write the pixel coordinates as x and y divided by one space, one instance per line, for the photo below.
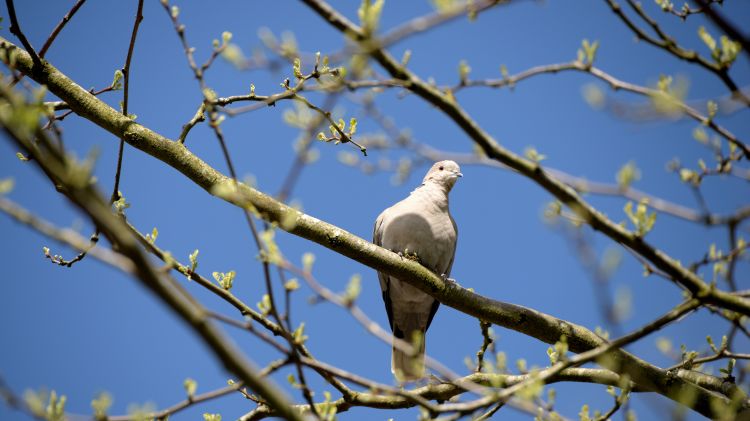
449 280
411 256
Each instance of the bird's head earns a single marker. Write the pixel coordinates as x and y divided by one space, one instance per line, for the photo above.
443 173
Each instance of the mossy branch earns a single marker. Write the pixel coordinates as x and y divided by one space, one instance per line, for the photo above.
527 321
76 186
532 170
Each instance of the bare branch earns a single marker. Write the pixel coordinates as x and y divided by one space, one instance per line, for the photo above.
536 324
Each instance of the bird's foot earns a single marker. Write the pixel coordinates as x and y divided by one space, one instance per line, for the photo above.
411 256
449 280
434 379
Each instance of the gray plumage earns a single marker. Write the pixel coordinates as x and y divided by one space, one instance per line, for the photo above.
421 224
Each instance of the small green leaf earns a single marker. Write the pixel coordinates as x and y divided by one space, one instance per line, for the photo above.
665 82
117 80
271 252
707 38
641 219
699 134
291 285
209 94
664 345
297 68
226 36
353 288
521 365
151 238
587 53
299 334
193 260
463 72
689 176
532 154
504 72
234 55
594 95
225 279
6 185
264 305
101 405
729 51
590 50
56 407
190 386
501 361
627 174
307 262
293 381
711 344
665 5
120 204
712 107
406 57
369 15
584 415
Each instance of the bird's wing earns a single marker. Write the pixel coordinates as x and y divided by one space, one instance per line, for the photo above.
436 303
377 239
455 244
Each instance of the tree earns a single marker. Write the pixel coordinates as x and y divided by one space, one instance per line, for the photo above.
668 315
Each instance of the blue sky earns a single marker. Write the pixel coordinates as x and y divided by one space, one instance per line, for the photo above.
88 328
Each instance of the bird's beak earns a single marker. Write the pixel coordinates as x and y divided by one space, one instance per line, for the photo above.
458 174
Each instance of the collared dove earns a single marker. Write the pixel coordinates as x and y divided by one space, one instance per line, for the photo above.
420 225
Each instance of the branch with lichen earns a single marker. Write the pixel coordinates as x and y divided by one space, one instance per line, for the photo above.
541 326
426 155
531 169
661 96
720 65
444 391
81 192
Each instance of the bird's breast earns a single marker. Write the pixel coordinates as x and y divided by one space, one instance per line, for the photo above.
431 235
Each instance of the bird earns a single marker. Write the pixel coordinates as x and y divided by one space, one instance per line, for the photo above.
421 228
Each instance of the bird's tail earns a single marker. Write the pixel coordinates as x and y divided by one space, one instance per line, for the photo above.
405 366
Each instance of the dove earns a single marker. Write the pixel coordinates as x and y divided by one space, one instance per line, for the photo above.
420 228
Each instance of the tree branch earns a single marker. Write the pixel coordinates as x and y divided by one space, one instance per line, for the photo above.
77 188
533 171
527 321
443 391
15 29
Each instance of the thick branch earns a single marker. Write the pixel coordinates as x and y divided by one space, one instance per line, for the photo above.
443 392
533 171
85 196
541 326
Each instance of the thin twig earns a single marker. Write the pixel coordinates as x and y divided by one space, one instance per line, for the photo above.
722 22
200 115
60 26
190 401
615 84
670 45
529 168
15 29
126 89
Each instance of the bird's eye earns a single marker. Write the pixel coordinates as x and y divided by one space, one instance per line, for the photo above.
441 168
